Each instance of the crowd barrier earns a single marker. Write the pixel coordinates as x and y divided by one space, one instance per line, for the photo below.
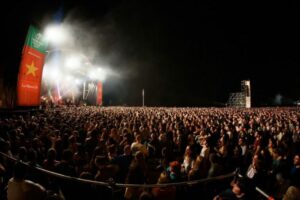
112 185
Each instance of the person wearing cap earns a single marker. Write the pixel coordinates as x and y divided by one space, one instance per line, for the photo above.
237 192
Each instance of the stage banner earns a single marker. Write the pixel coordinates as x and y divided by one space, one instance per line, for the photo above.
99 93
31 68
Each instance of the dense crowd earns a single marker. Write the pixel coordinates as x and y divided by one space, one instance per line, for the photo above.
143 145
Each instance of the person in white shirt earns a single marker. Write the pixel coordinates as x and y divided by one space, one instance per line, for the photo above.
20 189
138 146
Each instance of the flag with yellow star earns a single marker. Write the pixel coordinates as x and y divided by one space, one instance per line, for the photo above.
31 68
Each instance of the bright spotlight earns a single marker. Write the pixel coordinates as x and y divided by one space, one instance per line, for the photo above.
92 75
55 34
51 74
69 78
54 74
101 74
97 74
73 62
78 81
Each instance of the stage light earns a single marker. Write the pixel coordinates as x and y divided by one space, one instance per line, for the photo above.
97 74
54 74
73 62
101 74
78 81
55 34
69 78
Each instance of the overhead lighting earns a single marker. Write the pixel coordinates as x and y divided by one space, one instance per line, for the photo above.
55 34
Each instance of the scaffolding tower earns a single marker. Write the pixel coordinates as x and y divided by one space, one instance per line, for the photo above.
241 99
236 99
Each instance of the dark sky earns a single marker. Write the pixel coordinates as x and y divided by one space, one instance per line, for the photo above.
185 53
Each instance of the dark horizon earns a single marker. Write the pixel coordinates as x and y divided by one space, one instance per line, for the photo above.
183 54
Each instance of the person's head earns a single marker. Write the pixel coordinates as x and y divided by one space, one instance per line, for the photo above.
175 167
255 160
145 196
275 153
237 151
138 138
100 161
112 150
153 136
19 171
224 139
86 175
67 155
271 143
188 151
297 160
163 178
113 132
127 150
239 188
198 162
241 141
53 196
32 155
22 153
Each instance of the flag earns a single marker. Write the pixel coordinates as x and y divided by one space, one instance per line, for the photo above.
31 68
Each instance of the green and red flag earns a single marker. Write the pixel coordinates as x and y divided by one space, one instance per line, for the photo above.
31 68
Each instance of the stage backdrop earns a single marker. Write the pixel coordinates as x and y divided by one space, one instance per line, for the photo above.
31 68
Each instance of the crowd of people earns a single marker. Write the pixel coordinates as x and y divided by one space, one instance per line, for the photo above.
144 145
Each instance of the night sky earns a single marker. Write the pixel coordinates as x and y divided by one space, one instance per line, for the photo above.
183 53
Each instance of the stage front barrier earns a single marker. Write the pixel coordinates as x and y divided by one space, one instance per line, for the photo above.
203 188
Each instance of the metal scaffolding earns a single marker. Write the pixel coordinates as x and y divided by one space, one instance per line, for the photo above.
241 99
236 99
